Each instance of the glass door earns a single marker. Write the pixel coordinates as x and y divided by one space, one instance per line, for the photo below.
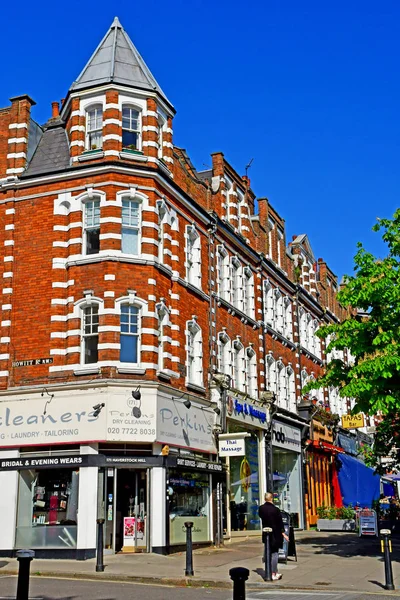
131 526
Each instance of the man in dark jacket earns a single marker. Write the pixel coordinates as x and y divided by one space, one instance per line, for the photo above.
270 516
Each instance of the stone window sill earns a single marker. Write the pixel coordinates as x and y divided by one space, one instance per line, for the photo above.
131 370
133 155
90 155
87 370
196 388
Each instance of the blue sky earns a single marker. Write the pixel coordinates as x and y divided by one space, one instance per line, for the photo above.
310 90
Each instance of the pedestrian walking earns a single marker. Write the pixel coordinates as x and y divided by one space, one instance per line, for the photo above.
270 516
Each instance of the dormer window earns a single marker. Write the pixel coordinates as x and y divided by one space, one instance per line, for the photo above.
130 128
94 127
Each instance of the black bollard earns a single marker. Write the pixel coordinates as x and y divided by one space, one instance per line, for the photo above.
100 546
24 558
385 533
267 553
189 549
239 576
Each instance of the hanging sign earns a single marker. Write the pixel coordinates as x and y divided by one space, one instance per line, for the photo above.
353 421
232 445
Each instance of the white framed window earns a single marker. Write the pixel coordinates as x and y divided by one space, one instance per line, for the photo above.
162 122
282 385
90 334
251 373
224 353
279 320
239 366
223 273
131 127
310 334
269 303
163 317
193 256
91 209
194 354
131 216
288 317
162 220
303 327
291 380
129 333
236 283
94 127
248 292
271 373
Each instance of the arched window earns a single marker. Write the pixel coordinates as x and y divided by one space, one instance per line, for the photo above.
269 304
282 385
236 283
288 314
131 128
163 214
248 292
194 354
131 213
223 273
193 256
94 127
291 389
163 317
279 323
271 373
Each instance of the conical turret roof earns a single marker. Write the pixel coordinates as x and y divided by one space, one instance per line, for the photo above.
116 60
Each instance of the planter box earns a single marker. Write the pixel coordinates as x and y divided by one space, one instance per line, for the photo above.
336 525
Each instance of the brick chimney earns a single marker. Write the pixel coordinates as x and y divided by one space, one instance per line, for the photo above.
55 110
20 115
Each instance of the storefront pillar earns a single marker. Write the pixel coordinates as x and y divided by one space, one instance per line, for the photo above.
262 465
87 507
8 503
158 521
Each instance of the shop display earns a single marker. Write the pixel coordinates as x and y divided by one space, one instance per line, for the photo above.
189 497
244 485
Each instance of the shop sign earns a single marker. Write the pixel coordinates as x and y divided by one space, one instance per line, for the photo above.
234 446
348 443
247 413
190 428
130 461
286 436
353 421
44 462
193 463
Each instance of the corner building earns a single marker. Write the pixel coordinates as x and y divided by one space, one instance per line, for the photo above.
146 309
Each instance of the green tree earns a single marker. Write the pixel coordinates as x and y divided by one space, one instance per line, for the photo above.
372 333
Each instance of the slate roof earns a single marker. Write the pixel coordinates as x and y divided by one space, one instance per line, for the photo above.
116 60
52 153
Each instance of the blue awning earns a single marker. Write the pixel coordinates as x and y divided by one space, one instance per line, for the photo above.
358 483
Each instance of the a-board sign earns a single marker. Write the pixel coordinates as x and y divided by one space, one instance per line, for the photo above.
289 547
368 523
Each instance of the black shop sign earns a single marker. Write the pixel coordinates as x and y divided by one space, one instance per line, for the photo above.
44 462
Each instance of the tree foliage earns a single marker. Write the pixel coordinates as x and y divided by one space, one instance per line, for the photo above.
371 333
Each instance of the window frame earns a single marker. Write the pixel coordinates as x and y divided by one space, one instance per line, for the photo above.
93 227
193 256
129 226
137 334
194 360
138 131
238 365
85 336
88 132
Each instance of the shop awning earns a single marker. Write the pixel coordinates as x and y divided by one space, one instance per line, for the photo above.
326 446
359 484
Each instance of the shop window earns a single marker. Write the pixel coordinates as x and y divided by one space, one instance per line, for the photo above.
129 333
92 227
90 333
194 354
193 256
130 226
130 128
189 500
94 127
47 509
287 483
244 485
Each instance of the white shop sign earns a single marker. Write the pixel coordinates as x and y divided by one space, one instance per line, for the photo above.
70 418
185 427
232 447
286 436
246 413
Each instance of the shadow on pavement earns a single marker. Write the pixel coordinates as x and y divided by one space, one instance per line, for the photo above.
345 545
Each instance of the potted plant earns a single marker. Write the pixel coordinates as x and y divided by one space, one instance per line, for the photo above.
332 518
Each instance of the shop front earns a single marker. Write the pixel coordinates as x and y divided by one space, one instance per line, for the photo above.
287 470
246 465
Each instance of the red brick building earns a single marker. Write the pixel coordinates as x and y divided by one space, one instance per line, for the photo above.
147 307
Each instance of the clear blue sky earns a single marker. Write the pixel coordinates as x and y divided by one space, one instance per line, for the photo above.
310 90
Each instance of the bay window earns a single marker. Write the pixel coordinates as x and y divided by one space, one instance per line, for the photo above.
130 128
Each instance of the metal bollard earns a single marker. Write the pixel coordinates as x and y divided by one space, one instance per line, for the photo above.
24 558
239 576
189 549
386 543
100 546
267 554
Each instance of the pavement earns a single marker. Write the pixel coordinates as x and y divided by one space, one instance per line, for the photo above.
325 562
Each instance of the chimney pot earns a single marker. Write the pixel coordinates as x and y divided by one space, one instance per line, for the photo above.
55 110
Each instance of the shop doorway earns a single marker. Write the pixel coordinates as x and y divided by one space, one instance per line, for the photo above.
126 496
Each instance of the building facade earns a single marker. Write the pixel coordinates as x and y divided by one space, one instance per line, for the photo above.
147 309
